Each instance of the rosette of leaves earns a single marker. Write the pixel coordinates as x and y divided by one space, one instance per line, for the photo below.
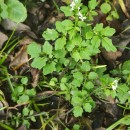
67 52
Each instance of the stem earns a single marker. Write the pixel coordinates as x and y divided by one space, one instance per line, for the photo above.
122 120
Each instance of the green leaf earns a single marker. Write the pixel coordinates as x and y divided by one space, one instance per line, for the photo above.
49 68
16 11
126 65
76 56
78 76
75 101
70 45
19 89
84 53
25 111
34 50
47 48
85 66
63 86
114 14
78 111
50 34
31 92
67 10
3 12
23 99
87 107
59 53
92 4
107 44
68 24
89 85
92 75
60 43
89 35
98 27
24 80
60 27
39 62
105 8
33 119
76 127
108 31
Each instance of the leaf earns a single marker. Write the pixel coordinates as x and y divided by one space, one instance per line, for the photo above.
24 80
39 62
98 27
59 53
47 48
68 24
76 56
92 4
49 68
25 111
60 43
87 107
89 35
31 92
60 27
70 45
107 44
89 85
23 99
16 11
67 10
34 50
78 76
126 65
3 12
108 31
92 75
105 8
75 101
85 66
78 111
50 34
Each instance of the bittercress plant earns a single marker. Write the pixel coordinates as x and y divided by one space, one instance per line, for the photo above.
66 60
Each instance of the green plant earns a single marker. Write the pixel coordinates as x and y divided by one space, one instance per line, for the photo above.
12 9
67 55
108 8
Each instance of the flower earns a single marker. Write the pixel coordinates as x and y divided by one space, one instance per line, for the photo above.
81 16
72 5
128 92
115 84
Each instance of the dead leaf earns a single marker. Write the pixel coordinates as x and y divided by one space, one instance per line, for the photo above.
26 40
20 59
10 25
111 56
3 38
35 75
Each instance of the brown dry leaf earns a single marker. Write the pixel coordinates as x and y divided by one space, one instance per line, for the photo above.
20 59
3 38
111 56
26 40
35 75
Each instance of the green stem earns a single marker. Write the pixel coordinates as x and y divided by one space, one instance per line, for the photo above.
6 127
122 120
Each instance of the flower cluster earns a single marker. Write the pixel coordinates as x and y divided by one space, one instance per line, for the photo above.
115 84
80 15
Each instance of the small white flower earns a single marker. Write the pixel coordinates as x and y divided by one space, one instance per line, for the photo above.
72 5
81 16
128 92
115 84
